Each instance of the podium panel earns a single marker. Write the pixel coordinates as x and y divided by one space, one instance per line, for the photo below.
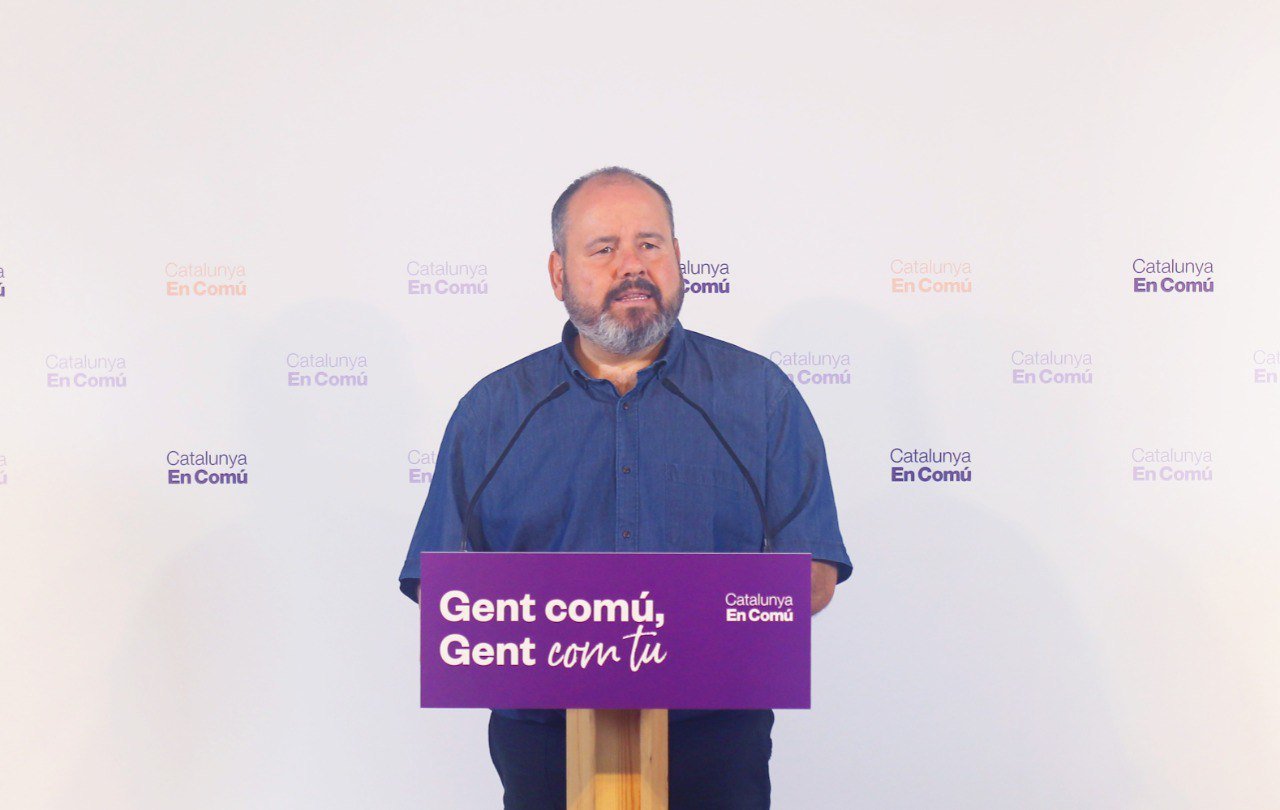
537 630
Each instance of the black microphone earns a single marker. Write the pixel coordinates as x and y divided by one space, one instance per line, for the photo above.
484 482
767 543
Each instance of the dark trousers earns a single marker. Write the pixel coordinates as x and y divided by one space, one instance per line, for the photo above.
718 761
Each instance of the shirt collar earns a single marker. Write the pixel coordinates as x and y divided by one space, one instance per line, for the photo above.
670 352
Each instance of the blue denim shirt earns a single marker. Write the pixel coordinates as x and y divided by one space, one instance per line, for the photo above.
595 471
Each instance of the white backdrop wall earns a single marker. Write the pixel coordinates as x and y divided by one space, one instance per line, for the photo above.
1049 634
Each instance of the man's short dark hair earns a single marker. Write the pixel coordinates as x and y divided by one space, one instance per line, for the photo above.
561 207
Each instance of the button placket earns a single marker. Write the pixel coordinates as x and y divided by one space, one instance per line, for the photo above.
628 489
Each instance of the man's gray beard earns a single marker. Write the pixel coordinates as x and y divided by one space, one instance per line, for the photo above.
614 335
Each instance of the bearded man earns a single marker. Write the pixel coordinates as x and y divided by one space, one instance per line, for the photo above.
623 437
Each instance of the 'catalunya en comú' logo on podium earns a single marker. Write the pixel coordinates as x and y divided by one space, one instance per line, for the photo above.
615 631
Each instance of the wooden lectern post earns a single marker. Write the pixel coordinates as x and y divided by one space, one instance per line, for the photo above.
616 759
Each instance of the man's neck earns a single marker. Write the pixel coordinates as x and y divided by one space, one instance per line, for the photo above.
619 369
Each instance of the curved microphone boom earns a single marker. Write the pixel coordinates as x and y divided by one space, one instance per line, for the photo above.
484 482
766 544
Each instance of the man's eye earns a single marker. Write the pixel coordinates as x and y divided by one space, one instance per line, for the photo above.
605 249
650 245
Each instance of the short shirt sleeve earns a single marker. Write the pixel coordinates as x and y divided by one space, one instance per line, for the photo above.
458 469
799 500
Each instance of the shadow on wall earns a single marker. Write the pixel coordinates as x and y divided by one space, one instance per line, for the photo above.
951 670
273 662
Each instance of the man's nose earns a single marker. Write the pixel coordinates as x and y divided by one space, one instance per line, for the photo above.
630 263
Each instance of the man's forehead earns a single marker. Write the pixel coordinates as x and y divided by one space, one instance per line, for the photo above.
608 194
610 212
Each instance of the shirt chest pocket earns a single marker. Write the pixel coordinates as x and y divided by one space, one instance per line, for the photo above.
708 508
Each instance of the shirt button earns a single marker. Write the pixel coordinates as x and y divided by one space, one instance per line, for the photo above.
626 469
626 406
626 534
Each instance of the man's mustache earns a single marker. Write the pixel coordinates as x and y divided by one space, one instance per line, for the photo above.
644 286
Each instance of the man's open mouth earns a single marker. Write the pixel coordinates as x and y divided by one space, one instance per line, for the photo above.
633 295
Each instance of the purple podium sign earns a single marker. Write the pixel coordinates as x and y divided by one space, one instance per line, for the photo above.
615 631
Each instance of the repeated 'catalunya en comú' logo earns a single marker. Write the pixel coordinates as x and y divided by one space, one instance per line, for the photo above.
930 277
759 607
85 371
422 465
201 467
4 290
4 471
1265 367
447 278
1172 276
705 278
928 465
307 370
205 280
814 368
1166 464
1051 367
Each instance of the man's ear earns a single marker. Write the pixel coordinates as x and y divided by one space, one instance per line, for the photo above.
676 243
555 269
